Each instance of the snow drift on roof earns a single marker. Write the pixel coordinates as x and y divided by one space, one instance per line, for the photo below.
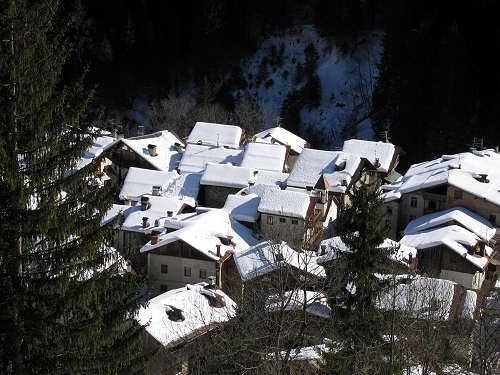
461 171
283 136
196 157
452 236
243 207
285 203
264 156
167 158
265 257
337 167
195 309
227 175
215 135
473 222
372 151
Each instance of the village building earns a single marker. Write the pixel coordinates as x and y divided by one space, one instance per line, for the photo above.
193 247
196 157
383 156
176 323
470 180
452 253
138 182
284 137
243 208
159 151
220 180
266 157
219 135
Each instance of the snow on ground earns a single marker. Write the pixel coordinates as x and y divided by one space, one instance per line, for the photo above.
347 78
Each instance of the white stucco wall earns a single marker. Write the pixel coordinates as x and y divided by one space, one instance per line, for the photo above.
468 280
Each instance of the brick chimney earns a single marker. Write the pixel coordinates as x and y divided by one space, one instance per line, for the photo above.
155 237
145 203
218 250
145 222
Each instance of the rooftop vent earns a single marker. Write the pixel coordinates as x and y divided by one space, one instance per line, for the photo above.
152 150
174 314
211 281
145 222
156 190
170 213
155 237
145 203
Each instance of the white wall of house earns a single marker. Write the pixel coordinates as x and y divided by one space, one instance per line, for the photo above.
175 277
468 280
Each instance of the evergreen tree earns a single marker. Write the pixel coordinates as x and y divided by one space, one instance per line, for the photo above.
64 309
357 323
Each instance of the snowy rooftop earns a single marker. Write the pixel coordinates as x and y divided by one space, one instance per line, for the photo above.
196 157
196 310
337 167
140 181
100 145
460 170
314 302
264 257
452 236
372 151
243 207
473 222
167 158
270 157
285 203
271 178
283 136
227 175
335 245
422 298
205 232
215 135
159 207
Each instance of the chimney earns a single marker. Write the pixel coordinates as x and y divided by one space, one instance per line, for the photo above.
155 237
211 281
152 150
145 203
178 147
344 182
156 190
323 250
170 213
145 222
218 250
157 222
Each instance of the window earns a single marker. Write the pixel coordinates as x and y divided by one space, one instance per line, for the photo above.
187 271
282 220
457 194
295 221
492 219
413 202
164 268
270 220
203 273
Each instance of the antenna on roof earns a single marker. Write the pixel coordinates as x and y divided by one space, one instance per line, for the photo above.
217 139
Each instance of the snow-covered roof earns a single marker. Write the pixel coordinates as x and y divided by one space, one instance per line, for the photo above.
243 207
473 222
100 145
314 302
204 233
422 298
372 151
195 308
337 167
270 178
140 181
452 236
196 157
283 136
270 157
335 245
215 135
460 170
265 257
285 203
167 158
159 207
227 175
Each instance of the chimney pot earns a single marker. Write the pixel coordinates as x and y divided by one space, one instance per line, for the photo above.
152 150
218 250
145 222
144 203
170 213
156 190
323 249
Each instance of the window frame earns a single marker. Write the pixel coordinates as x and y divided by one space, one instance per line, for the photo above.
164 268
187 271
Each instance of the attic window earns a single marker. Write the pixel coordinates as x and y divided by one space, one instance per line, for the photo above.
341 166
174 314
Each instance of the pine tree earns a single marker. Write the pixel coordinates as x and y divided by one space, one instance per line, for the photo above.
64 309
357 323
